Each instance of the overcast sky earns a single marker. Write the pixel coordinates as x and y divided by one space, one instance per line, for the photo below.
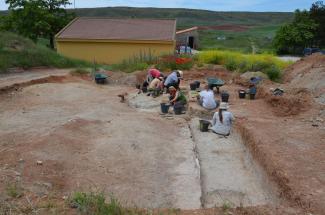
217 5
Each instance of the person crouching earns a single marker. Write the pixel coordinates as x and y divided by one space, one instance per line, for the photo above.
176 96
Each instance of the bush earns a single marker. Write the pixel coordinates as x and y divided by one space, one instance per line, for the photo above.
273 73
235 61
17 51
171 62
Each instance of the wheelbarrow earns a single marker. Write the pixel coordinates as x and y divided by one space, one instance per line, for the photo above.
101 78
215 82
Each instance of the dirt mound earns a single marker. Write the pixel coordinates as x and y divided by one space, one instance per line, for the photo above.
308 73
236 28
292 102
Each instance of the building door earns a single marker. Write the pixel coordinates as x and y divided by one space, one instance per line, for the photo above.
191 42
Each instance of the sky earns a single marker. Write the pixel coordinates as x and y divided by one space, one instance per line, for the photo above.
216 5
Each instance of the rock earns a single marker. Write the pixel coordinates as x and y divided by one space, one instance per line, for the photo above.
249 75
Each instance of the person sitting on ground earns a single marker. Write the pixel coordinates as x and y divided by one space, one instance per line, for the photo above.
206 98
173 79
152 74
176 96
222 120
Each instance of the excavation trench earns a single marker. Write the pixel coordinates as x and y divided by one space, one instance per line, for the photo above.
229 175
164 161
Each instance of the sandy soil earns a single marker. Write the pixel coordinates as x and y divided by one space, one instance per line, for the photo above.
88 140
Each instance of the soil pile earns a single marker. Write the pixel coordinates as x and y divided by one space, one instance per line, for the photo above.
308 73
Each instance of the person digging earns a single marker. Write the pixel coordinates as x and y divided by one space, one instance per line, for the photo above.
176 96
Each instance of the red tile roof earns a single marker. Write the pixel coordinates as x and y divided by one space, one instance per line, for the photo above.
119 29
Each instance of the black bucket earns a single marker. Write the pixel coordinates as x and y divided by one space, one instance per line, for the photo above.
193 86
242 94
197 84
224 97
164 107
178 108
144 89
251 96
204 125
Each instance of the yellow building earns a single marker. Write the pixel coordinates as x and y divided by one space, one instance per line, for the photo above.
111 41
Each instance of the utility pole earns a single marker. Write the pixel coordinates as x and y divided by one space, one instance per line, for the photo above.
74 4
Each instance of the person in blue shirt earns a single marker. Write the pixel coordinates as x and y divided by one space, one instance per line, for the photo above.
173 79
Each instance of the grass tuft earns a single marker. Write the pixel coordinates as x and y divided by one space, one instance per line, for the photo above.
14 190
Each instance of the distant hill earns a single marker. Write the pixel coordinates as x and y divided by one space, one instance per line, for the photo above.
258 28
190 17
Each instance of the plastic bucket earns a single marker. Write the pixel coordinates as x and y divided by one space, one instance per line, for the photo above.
251 96
204 125
224 97
242 94
178 109
164 107
193 86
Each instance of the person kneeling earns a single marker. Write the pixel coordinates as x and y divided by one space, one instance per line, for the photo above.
206 99
176 96
156 86
222 120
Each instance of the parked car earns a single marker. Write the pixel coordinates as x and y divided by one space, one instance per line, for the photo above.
310 51
185 50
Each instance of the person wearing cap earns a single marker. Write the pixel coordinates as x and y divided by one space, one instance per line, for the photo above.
222 120
206 98
176 96
174 79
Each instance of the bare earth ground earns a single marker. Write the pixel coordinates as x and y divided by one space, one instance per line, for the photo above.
88 140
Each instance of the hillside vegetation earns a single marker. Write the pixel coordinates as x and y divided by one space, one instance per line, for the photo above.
258 36
17 51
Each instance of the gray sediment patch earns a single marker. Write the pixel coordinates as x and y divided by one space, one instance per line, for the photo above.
229 174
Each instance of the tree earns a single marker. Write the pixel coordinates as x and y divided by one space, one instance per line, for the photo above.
37 18
317 13
293 37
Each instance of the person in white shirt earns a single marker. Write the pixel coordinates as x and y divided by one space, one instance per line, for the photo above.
222 120
206 99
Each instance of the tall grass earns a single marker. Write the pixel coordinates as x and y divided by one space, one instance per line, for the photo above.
235 61
17 51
